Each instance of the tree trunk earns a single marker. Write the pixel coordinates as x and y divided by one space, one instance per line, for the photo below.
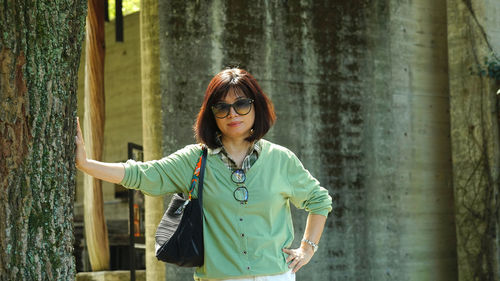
151 123
40 46
96 233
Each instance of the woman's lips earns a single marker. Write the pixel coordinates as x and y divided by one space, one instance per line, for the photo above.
234 124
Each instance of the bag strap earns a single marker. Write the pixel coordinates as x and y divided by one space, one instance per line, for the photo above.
202 173
196 173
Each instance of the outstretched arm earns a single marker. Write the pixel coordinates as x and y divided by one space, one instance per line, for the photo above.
111 172
301 256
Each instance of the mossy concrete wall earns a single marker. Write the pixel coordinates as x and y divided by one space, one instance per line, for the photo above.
473 34
361 93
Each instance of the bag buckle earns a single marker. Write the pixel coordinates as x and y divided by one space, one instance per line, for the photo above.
181 208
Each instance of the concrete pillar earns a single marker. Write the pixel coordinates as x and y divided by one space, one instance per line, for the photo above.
473 34
151 126
361 93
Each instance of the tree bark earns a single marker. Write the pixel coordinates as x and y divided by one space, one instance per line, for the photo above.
96 233
40 46
151 124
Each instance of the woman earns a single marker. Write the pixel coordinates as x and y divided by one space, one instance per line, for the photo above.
248 185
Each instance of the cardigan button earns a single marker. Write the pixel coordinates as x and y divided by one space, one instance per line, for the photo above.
243 235
244 252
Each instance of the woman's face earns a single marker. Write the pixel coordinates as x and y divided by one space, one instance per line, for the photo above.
235 125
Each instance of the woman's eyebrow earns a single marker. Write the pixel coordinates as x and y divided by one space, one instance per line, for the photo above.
237 98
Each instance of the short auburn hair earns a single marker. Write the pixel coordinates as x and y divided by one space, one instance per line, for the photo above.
239 81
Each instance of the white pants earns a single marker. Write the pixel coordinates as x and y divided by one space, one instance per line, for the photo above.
287 276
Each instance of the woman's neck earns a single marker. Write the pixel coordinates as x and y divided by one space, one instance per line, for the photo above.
235 145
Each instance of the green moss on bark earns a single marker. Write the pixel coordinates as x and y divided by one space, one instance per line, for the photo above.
42 42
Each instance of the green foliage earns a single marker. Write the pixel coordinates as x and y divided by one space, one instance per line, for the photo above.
128 7
490 68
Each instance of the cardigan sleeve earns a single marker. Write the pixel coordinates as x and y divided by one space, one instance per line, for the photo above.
306 190
171 174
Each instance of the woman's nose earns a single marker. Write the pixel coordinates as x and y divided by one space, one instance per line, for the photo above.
232 112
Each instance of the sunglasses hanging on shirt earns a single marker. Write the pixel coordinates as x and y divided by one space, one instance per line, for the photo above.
241 192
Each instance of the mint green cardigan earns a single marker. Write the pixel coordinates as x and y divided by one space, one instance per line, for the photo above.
240 240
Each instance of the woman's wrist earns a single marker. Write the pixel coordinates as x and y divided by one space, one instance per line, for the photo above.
308 246
82 165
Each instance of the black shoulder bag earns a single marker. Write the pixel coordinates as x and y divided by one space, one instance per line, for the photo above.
179 237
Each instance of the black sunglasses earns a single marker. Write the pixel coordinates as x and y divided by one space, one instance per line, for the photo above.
240 194
242 107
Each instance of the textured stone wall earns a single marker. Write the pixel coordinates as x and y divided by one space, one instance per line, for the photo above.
361 93
410 201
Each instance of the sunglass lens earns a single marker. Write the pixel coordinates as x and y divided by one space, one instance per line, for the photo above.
243 106
221 109
241 194
238 176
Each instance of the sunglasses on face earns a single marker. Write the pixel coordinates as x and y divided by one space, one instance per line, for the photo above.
241 107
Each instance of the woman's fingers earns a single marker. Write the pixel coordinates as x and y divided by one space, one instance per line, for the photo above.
290 255
294 264
297 258
298 266
81 156
78 130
